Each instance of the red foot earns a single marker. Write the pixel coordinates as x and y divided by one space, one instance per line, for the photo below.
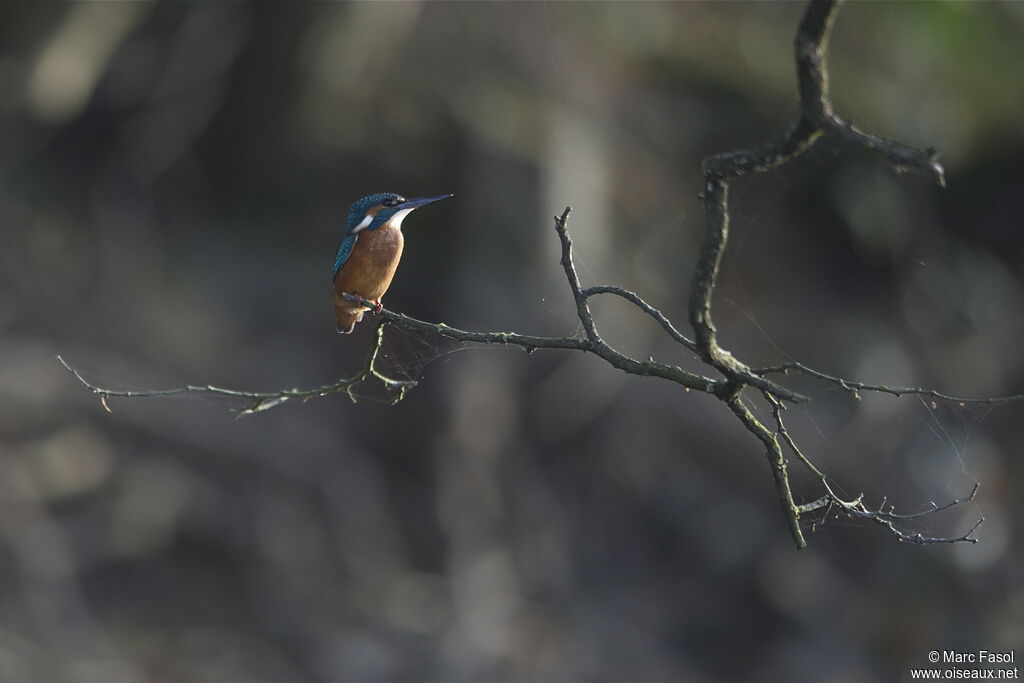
378 308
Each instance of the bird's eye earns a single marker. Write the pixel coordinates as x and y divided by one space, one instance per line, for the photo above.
391 202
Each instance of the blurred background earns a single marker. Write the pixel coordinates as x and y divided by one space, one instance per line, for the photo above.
174 178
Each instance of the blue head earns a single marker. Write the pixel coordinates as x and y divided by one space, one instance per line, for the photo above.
375 210
370 213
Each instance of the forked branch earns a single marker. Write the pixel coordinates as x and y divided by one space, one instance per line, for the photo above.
815 116
886 517
257 401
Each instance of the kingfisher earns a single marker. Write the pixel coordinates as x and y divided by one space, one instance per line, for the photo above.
369 254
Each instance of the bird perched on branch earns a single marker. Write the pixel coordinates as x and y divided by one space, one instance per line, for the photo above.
369 255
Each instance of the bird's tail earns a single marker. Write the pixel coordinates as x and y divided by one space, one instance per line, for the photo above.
347 318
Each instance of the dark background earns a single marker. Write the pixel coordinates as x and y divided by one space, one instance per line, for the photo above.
173 182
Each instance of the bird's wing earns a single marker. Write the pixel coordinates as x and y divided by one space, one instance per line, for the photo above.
344 250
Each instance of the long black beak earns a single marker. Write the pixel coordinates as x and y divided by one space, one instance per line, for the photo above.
422 201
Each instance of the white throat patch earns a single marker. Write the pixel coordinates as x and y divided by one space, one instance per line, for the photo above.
396 220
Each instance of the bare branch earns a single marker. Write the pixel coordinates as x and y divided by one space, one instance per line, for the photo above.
582 307
777 461
901 157
815 116
258 401
592 343
856 387
887 520
702 289
636 300
885 517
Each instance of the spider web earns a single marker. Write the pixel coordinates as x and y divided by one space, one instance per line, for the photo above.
935 451
926 450
404 356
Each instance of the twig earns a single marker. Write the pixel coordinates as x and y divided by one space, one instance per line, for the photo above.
591 343
264 400
815 116
886 518
777 461
636 300
258 401
582 306
856 387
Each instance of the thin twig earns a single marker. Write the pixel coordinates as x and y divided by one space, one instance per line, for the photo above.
258 401
582 306
887 518
856 387
637 301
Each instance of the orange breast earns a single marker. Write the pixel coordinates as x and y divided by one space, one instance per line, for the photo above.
372 263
